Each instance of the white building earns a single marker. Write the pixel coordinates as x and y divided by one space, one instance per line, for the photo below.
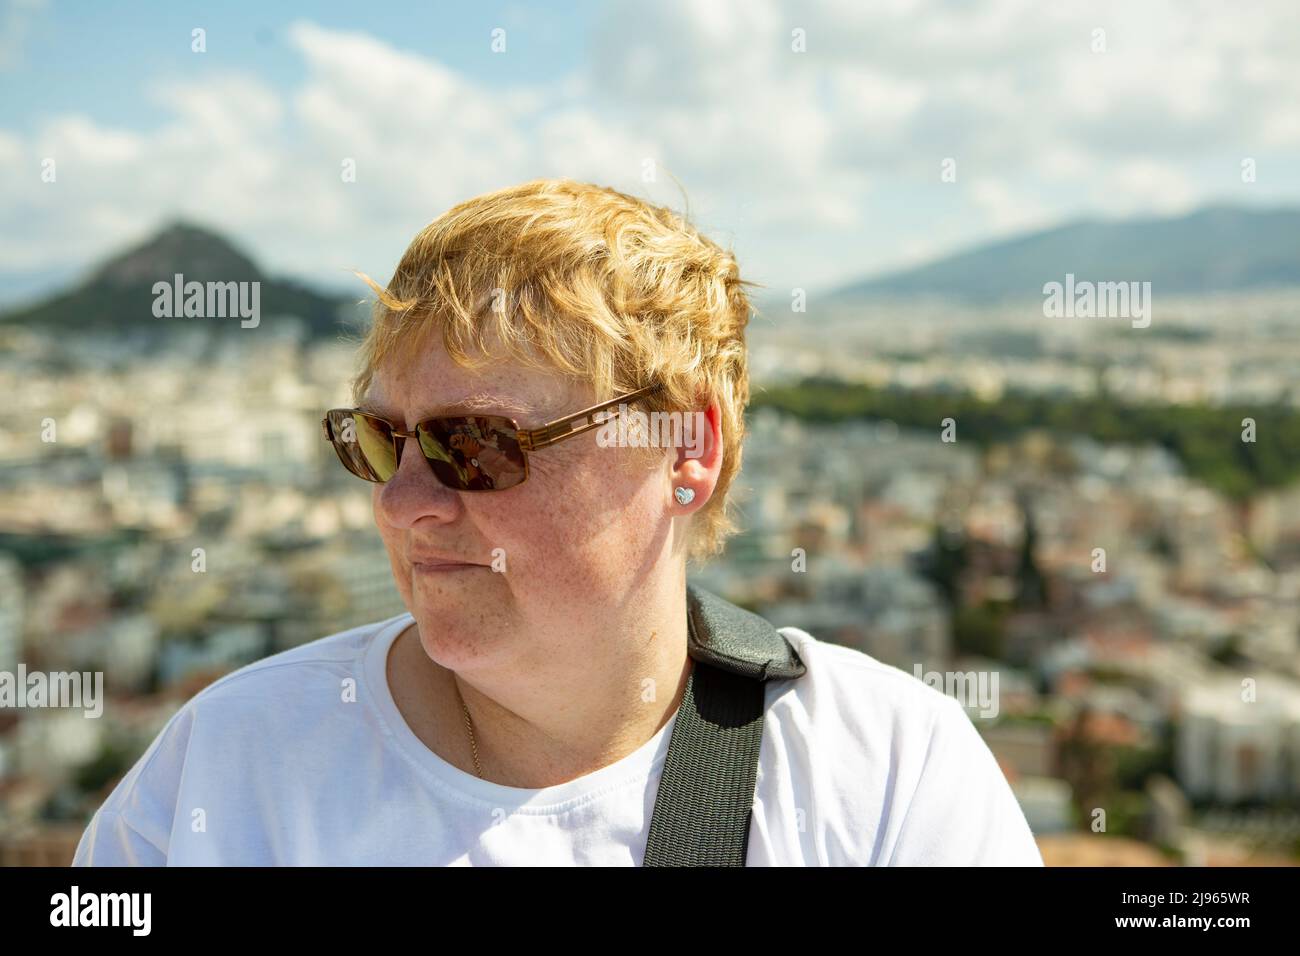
1237 741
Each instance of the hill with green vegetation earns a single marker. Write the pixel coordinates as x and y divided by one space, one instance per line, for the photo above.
1215 249
118 297
1207 440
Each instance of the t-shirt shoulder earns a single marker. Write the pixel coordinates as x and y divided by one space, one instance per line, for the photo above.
865 681
340 648
280 678
137 817
878 737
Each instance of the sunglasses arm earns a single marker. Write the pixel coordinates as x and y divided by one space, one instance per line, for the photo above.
577 423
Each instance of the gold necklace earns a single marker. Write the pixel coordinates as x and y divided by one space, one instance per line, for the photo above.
469 727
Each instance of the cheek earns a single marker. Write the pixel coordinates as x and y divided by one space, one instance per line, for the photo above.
392 539
386 531
578 525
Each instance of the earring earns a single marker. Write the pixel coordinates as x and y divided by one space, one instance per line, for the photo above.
684 495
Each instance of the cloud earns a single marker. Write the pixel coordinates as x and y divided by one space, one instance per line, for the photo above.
1004 209
1160 187
821 164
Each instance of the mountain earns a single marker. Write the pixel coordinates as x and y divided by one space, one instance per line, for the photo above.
1219 248
119 296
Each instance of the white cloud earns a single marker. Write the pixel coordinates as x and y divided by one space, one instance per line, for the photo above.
1004 209
1156 186
818 163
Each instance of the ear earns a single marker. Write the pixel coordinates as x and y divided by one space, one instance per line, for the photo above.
698 461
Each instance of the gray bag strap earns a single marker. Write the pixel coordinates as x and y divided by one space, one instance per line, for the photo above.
706 793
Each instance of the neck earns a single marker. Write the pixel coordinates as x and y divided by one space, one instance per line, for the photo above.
568 710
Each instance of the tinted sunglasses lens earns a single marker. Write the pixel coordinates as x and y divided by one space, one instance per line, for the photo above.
364 445
477 453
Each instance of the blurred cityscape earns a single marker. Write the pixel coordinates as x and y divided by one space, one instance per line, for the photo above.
171 513
1081 518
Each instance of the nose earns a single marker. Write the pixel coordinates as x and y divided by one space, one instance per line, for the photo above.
414 494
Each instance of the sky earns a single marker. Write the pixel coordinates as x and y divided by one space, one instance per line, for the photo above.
824 142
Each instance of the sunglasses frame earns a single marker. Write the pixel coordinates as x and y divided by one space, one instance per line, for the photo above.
529 439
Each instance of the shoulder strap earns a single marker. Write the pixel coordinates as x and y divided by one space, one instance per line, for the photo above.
706 793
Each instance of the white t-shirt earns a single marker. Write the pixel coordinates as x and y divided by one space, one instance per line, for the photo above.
304 759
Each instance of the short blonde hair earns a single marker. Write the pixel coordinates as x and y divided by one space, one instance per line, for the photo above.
602 287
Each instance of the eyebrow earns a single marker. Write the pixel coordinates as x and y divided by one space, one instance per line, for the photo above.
477 402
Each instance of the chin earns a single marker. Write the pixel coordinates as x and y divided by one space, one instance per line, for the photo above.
456 633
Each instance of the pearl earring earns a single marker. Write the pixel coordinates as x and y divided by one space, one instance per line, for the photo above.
684 495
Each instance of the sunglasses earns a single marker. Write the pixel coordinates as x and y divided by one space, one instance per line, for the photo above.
465 452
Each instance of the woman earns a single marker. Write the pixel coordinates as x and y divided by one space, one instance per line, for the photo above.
522 711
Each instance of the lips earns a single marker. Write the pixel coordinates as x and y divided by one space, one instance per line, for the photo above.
437 562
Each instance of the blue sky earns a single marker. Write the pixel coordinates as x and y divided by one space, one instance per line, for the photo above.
74 56
819 165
